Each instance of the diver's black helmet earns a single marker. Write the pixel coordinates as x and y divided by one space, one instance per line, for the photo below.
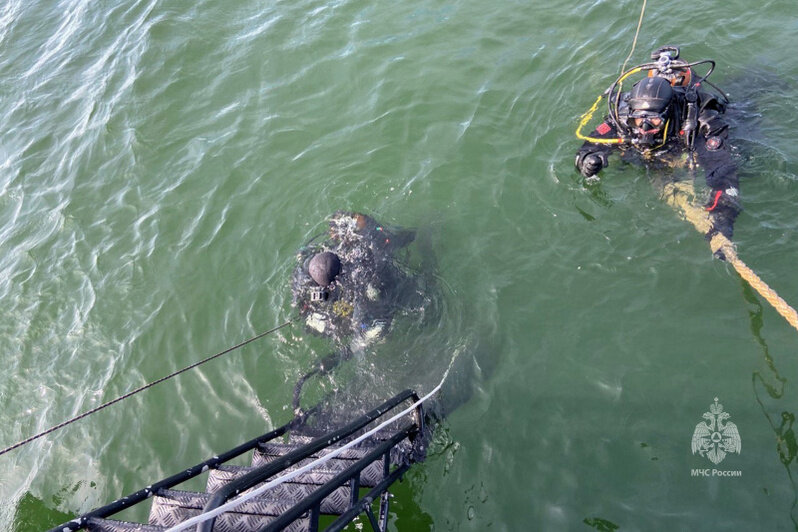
324 267
650 96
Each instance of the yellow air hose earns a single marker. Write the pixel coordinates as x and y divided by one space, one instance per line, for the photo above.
585 118
679 196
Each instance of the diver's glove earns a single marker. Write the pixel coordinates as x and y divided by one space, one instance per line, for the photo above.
716 240
589 164
724 206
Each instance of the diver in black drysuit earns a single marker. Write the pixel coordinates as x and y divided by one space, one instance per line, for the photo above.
349 286
669 119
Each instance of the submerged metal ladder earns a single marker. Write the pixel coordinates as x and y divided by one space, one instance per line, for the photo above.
332 488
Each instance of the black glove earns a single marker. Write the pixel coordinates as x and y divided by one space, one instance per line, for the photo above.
590 164
723 224
716 247
724 206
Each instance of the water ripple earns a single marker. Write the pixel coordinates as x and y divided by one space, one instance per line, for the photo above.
160 163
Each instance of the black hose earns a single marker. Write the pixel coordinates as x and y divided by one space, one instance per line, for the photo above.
614 97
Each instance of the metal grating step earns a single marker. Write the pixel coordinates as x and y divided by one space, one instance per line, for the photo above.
269 451
96 524
370 476
290 492
171 507
375 439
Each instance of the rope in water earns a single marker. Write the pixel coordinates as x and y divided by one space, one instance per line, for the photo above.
680 195
140 389
585 118
634 41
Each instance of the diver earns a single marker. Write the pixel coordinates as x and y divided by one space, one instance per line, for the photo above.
349 286
669 119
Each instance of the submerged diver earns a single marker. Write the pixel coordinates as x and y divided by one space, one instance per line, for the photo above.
349 286
669 119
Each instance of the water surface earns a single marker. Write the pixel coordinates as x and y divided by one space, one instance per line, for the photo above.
161 163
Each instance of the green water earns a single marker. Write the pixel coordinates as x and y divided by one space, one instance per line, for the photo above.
161 163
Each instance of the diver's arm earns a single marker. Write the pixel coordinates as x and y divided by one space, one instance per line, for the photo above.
714 156
593 156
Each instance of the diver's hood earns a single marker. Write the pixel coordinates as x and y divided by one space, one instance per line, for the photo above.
324 267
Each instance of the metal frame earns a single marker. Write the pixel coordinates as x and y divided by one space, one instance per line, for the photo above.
364 504
144 494
351 475
262 473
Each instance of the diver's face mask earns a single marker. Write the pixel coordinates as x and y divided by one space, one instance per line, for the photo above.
646 127
649 125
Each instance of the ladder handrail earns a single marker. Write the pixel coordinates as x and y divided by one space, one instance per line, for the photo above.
247 481
338 480
187 474
214 462
364 504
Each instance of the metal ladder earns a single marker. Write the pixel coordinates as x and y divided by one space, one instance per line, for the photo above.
334 488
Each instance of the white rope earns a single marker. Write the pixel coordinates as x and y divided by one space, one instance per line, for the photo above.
234 503
634 41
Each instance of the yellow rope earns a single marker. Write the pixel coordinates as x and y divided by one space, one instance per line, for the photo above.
679 196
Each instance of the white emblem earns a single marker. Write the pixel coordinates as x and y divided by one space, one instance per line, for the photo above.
716 437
